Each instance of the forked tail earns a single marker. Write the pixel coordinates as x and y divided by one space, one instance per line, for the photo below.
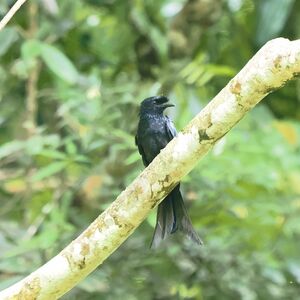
172 216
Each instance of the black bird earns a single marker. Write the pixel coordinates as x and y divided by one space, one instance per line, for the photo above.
155 131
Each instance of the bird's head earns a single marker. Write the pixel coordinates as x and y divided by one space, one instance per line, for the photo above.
155 105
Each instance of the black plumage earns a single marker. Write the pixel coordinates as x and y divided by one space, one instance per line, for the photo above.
155 131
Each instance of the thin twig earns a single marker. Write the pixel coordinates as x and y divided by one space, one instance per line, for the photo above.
11 13
31 86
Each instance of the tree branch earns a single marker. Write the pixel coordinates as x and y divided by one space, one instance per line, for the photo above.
11 13
277 62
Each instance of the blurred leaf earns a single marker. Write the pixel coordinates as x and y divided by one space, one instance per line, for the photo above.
31 49
159 41
17 265
294 179
81 159
8 36
186 293
71 148
132 158
294 268
37 205
157 38
49 170
59 63
50 6
52 154
198 72
15 186
43 240
220 70
39 143
288 131
240 211
275 275
126 138
272 16
10 148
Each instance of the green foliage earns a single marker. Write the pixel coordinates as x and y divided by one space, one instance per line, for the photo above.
58 63
66 160
268 11
7 37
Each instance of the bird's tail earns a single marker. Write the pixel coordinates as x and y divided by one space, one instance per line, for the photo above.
172 216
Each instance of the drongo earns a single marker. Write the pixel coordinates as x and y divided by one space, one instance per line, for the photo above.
155 131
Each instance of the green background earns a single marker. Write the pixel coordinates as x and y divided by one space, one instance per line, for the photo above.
72 76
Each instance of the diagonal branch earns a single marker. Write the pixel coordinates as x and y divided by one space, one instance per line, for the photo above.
11 13
277 62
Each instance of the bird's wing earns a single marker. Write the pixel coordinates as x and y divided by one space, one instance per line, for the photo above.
170 128
141 151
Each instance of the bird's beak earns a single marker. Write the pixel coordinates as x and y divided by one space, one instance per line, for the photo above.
166 105
163 102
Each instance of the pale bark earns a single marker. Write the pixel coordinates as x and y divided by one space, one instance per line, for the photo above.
11 13
277 62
